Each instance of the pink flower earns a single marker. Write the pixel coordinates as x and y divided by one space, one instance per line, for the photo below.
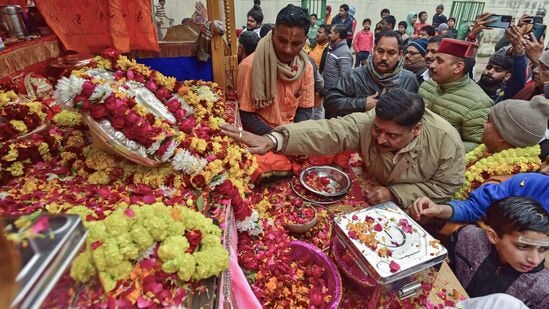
394 266
378 228
353 234
118 74
151 85
405 225
130 74
40 225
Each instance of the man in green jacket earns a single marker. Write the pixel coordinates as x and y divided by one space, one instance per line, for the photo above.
454 96
407 150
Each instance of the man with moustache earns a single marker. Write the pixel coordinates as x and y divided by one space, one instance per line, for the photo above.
276 83
494 76
408 150
358 90
452 94
504 75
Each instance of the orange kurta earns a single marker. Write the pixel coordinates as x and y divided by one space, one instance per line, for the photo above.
289 95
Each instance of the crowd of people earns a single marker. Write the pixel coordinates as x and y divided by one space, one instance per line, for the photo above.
441 145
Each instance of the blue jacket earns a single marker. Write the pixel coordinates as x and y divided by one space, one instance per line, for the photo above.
533 185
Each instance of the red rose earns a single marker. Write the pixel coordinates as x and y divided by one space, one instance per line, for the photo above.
82 102
120 111
241 209
173 105
139 77
87 89
110 103
118 74
132 118
199 181
98 111
179 115
187 125
151 85
118 123
194 237
110 53
163 93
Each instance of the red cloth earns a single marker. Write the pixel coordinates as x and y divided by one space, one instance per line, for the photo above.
21 3
528 92
91 28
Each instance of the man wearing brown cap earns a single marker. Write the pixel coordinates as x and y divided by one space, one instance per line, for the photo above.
451 94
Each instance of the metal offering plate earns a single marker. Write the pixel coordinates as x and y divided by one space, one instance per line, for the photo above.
306 195
325 181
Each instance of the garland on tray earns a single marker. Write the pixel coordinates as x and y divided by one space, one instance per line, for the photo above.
481 165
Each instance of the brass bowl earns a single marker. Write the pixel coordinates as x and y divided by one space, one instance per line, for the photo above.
302 228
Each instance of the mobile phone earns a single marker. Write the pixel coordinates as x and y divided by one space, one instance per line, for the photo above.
538 30
500 21
533 20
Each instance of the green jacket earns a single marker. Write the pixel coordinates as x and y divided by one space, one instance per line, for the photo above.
433 168
463 103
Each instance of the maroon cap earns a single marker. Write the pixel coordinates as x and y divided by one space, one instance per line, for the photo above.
458 48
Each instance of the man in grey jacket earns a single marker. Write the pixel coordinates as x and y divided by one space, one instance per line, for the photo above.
408 151
338 58
358 90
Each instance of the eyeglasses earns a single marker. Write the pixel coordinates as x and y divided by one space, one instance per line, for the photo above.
411 53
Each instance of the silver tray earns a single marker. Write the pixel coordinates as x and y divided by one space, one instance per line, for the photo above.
45 259
319 200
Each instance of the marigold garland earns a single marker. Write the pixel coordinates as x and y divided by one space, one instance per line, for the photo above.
188 243
481 165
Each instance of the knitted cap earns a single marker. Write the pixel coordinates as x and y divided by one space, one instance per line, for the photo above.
442 27
420 45
457 48
521 123
352 11
545 58
502 60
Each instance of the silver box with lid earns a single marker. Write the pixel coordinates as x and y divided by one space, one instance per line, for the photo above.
394 238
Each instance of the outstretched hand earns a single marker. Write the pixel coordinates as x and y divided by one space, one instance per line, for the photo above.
423 206
257 144
480 23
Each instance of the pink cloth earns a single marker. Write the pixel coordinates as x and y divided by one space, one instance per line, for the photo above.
241 293
364 41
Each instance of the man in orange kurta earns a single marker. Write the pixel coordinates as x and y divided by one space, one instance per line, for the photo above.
275 84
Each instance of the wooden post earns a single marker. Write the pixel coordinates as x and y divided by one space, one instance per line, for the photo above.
231 60
217 45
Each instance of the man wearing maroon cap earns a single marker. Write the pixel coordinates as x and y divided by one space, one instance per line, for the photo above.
451 94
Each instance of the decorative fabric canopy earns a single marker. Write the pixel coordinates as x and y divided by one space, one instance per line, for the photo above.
90 26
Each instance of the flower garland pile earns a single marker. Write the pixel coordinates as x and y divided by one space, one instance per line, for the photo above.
187 243
193 142
481 165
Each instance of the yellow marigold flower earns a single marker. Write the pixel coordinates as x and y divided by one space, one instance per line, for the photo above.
123 62
43 148
75 141
98 160
16 169
68 118
141 110
12 154
29 187
19 125
99 178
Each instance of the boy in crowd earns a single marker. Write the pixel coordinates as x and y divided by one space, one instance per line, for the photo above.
507 256
363 43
